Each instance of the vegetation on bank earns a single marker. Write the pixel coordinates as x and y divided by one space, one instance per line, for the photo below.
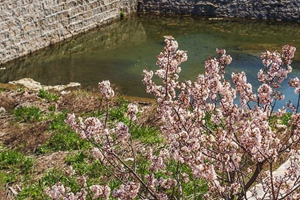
20 176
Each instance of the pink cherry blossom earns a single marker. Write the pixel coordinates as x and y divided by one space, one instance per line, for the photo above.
106 90
206 134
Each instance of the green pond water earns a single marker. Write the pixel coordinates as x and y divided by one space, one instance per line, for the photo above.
120 51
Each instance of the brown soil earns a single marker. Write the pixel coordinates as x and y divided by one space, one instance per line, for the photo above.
28 136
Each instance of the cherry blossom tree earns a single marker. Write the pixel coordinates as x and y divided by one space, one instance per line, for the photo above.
232 146
214 129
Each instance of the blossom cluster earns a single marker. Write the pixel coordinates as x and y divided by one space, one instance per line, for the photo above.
128 191
59 191
132 111
168 61
105 89
109 141
295 83
217 138
276 68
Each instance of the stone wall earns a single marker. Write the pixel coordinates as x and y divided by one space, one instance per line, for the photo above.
254 9
29 25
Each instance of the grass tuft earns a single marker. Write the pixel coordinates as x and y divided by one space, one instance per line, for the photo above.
63 137
146 134
28 114
13 163
45 94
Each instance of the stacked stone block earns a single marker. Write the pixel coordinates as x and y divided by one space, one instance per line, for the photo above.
254 9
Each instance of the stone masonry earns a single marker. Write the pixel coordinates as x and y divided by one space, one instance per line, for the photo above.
29 25
253 9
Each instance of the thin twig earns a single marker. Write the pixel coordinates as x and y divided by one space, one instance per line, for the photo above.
135 175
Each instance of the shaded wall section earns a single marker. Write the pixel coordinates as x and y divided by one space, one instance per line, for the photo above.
30 25
255 9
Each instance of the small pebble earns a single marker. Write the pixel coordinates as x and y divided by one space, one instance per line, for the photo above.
2 110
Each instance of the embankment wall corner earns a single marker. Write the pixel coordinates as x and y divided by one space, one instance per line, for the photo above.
29 25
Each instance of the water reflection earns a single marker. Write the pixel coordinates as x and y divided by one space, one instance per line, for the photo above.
120 51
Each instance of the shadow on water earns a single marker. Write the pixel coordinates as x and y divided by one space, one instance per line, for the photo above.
120 51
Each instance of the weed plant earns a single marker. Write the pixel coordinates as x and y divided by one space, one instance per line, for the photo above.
28 114
36 189
63 137
13 164
146 134
45 94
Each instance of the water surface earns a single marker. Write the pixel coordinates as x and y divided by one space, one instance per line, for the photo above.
120 51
